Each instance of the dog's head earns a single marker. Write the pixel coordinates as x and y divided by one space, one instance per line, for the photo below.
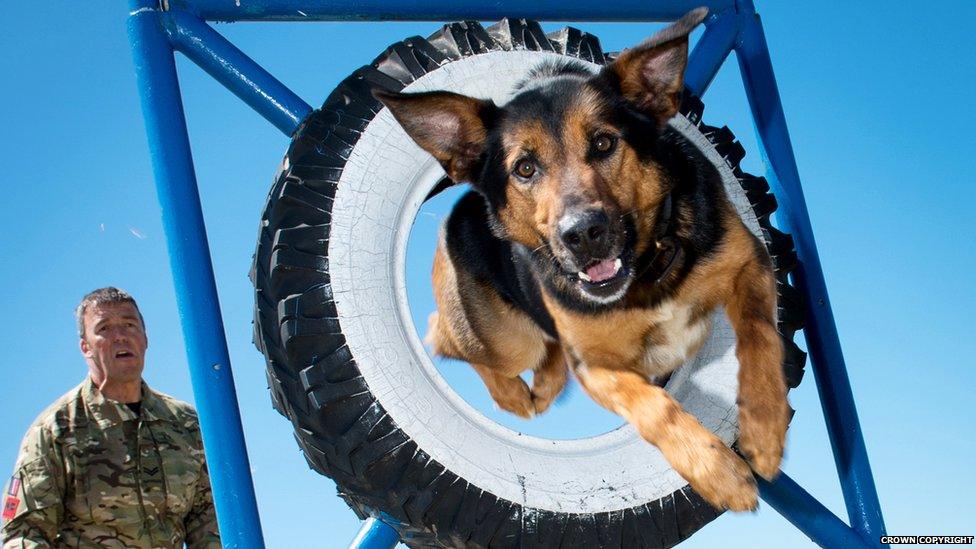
570 165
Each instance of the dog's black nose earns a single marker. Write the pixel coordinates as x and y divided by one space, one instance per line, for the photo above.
586 234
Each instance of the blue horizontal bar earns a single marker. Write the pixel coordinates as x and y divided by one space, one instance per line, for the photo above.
236 71
712 49
809 515
413 10
375 534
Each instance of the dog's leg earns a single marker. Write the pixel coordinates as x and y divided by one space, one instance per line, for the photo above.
439 341
549 378
510 393
763 408
713 470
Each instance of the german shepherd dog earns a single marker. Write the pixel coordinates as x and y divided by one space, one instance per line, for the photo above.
599 238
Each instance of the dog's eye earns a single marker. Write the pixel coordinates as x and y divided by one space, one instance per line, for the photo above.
525 168
603 143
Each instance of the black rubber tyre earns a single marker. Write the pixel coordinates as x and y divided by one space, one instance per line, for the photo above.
314 379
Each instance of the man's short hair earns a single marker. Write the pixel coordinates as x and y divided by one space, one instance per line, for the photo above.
101 296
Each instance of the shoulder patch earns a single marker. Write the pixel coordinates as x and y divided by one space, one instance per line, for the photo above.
10 504
13 486
11 501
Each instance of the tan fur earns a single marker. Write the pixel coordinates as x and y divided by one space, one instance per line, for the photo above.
474 324
716 473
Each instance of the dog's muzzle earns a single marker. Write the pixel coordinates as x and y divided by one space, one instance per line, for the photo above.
586 235
594 243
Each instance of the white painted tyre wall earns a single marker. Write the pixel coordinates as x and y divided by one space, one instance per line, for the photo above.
380 192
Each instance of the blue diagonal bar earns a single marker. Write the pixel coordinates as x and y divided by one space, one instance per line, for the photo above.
809 515
196 292
235 70
711 50
375 534
823 342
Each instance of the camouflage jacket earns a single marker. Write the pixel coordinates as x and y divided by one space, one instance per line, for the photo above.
91 473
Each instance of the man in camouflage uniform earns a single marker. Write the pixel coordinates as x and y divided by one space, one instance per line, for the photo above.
112 463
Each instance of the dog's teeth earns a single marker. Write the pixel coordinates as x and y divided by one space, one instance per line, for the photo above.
585 276
617 264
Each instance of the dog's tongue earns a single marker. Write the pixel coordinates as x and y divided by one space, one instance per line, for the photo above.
603 270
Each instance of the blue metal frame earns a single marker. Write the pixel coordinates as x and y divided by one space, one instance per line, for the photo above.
158 28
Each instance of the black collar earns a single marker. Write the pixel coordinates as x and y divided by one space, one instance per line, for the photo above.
665 251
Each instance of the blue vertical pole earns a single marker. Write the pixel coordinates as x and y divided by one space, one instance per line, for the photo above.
196 292
823 342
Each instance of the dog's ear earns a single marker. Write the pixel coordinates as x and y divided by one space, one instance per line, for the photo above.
448 125
651 74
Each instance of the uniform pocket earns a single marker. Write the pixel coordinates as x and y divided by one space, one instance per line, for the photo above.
105 483
39 487
181 461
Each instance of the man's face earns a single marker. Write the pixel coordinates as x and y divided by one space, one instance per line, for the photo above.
114 343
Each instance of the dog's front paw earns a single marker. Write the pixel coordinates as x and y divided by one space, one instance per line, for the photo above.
714 471
725 481
516 399
762 435
546 389
542 402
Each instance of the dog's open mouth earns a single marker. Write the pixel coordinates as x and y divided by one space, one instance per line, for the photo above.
604 279
603 271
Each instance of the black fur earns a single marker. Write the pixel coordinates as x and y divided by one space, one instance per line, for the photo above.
504 265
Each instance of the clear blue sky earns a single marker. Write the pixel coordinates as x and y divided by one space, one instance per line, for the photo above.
879 100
